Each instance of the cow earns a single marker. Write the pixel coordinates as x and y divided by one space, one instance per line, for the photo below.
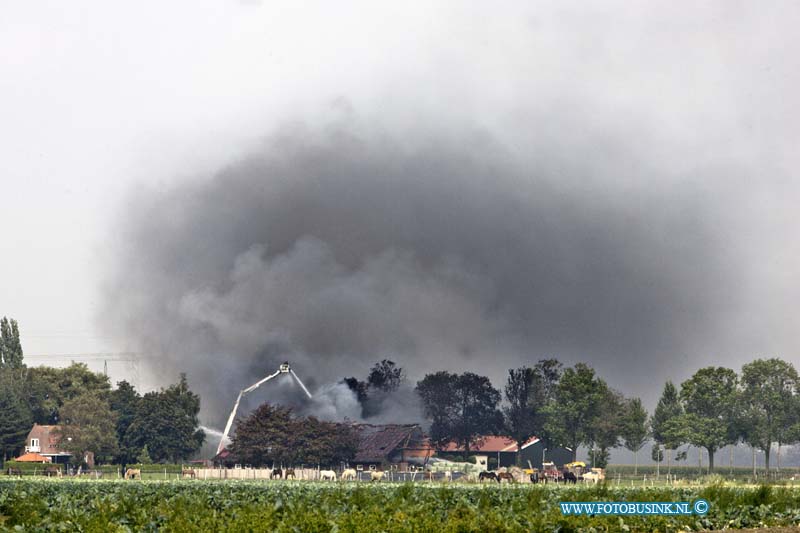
491 476
448 476
133 473
327 475
349 474
569 477
276 472
12 471
376 475
289 472
535 476
188 472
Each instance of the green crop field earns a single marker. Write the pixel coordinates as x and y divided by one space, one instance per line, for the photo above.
104 505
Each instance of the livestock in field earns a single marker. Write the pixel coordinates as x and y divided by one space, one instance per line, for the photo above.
188 472
505 475
52 470
535 476
349 474
276 473
327 475
376 475
491 476
569 477
133 473
289 472
595 475
11 471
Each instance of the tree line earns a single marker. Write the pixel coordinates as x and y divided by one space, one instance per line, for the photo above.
574 407
120 426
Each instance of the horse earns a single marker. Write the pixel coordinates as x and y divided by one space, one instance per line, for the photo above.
133 473
569 477
595 475
491 476
276 472
289 472
327 475
376 475
349 474
188 472
12 471
505 475
51 471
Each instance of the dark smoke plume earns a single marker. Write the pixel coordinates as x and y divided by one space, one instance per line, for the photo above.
334 249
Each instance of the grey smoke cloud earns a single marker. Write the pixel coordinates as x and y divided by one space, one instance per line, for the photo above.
611 184
334 250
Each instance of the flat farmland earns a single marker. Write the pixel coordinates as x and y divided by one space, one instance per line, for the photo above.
194 505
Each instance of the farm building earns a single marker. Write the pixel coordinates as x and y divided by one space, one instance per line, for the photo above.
42 440
502 449
400 444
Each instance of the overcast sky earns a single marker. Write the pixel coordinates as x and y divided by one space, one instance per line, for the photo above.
693 104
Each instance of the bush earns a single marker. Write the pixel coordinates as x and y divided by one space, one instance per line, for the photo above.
29 469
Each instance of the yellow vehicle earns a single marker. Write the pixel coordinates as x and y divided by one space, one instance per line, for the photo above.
576 467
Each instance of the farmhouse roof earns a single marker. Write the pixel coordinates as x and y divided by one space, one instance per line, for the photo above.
377 442
48 440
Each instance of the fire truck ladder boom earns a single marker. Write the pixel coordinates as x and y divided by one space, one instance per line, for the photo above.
283 369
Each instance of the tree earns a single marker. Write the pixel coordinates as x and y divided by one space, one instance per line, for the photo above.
144 457
579 396
635 429
461 408
48 388
709 399
528 392
15 416
663 424
88 425
124 402
385 376
358 387
605 431
384 379
272 435
768 389
166 421
10 345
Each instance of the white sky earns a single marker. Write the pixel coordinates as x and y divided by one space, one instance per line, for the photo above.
98 97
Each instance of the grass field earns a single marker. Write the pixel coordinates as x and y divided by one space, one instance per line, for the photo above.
150 505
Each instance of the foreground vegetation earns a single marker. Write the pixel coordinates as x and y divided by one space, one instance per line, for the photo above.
69 505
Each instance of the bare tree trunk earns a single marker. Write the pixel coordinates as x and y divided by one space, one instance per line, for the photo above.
711 460
754 462
635 462
766 456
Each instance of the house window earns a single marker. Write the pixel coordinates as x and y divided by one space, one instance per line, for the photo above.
34 443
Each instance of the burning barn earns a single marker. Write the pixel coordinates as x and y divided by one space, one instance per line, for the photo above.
400 444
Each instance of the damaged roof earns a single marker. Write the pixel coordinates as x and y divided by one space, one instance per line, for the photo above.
378 442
